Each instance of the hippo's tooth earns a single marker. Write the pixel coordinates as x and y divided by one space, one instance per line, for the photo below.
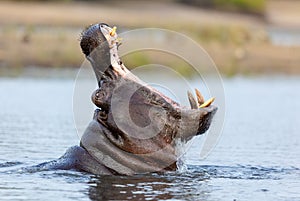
199 97
113 31
192 100
207 103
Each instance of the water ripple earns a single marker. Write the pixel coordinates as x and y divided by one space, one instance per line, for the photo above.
9 164
243 171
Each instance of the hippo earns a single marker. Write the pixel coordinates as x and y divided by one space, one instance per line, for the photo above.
135 128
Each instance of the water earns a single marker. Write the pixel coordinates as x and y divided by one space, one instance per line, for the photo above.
257 157
284 37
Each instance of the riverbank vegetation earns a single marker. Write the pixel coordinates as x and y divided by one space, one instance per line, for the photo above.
47 35
249 6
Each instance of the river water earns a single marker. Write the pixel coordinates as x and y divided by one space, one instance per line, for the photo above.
256 158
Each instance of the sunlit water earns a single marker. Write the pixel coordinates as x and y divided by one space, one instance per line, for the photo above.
257 157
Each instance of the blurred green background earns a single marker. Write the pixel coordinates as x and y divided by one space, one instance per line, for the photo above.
242 36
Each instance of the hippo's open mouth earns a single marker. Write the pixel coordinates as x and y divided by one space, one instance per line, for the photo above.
135 122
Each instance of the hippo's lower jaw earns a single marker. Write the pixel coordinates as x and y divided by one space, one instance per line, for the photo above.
124 154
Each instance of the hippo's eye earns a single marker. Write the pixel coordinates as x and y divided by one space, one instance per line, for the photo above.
97 94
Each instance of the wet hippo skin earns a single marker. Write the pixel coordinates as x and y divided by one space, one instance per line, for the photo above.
136 129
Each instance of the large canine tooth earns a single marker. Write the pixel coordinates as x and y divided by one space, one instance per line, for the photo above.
113 31
207 103
192 100
199 97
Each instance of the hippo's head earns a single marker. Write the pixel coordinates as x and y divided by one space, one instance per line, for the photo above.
136 128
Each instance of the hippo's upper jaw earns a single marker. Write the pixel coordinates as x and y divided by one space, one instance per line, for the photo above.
136 127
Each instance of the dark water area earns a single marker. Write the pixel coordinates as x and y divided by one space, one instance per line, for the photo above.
256 158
